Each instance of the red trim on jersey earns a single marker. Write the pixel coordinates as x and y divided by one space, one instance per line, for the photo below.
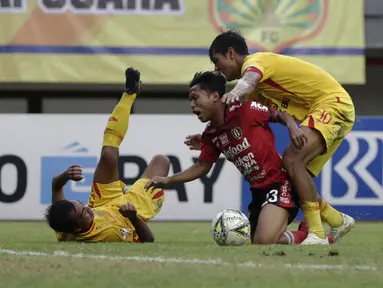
337 99
311 123
277 86
158 195
272 112
97 190
89 231
136 239
254 69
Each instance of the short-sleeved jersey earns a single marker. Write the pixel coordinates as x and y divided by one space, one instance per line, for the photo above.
108 226
247 141
292 84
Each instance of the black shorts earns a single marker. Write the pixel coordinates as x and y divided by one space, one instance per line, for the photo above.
278 194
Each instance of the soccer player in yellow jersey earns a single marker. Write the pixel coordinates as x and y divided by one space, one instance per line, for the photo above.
111 215
311 96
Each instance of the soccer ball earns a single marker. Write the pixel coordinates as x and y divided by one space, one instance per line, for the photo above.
230 227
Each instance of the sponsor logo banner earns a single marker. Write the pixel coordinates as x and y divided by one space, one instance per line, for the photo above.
352 180
46 145
92 41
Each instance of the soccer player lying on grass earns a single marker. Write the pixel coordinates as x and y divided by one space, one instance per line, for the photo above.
241 132
111 215
314 98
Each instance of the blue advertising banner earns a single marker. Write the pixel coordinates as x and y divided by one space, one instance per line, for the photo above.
352 181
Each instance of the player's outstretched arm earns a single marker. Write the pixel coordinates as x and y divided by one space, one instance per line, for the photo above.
193 172
74 173
143 231
298 138
244 86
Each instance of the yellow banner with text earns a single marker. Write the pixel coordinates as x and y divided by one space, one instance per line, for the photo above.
93 41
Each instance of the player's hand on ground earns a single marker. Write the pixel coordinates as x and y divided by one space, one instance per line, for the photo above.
132 80
298 137
193 141
128 210
157 182
74 173
229 98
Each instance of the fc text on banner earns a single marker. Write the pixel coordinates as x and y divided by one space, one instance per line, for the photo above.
66 41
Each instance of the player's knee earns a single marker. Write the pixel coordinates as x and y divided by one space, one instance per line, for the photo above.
264 239
158 166
163 162
109 156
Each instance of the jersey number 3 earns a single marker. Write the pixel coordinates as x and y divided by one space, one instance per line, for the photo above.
271 197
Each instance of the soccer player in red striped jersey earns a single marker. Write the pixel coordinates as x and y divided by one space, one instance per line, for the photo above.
241 132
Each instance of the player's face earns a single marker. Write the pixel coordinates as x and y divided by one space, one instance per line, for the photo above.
83 216
226 64
202 103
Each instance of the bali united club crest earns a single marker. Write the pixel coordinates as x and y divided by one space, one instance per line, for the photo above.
271 25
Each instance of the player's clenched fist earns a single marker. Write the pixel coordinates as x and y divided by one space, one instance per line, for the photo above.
193 141
157 182
74 173
128 210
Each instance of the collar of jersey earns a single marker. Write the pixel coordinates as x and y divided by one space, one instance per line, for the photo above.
89 231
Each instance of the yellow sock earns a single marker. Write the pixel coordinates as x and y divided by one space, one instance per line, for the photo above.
330 215
311 212
119 121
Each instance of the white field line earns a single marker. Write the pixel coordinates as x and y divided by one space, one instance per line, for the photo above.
300 266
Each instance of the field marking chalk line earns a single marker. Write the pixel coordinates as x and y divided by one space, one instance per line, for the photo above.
161 259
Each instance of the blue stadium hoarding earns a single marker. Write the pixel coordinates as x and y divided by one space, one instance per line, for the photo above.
352 180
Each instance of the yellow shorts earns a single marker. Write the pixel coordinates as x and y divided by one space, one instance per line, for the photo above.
334 120
148 203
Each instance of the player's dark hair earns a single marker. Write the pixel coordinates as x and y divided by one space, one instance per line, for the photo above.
229 39
60 216
210 81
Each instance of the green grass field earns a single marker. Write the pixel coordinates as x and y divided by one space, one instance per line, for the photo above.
184 255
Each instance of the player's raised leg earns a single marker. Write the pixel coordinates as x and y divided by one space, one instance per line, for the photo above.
295 161
106 185
116 128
